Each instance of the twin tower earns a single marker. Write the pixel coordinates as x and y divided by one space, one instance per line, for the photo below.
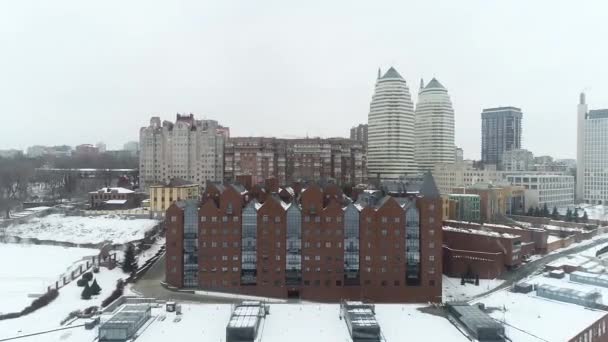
403 141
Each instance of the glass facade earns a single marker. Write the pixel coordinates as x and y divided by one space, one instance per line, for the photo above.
191 244
248 245
351 246
412 245
293 267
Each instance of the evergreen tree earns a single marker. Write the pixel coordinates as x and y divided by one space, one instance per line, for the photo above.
477 279
575 215
462 280
585 217
129 264
537 212
95 289
86 292
545 210
555 214
530 211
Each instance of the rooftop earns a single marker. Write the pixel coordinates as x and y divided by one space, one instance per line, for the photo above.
113 190
480 232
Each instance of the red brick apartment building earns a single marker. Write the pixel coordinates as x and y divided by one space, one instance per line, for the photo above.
320 247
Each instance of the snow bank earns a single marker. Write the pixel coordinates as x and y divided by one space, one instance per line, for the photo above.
79 229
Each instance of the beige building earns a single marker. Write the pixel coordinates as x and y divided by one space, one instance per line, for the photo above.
448 177
163 195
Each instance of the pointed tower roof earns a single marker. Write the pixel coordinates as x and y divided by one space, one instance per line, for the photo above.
434 84
392 73
429 188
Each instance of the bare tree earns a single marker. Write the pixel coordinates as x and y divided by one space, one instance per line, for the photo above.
15 176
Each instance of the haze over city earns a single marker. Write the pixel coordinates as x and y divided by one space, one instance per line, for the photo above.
88 72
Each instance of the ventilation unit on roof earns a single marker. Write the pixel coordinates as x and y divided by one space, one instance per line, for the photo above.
245 321
125 323
361 321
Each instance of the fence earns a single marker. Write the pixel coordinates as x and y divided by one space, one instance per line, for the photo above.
78 268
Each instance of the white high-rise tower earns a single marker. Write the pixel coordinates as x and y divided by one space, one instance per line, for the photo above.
580 146
592 154
390 151
434 126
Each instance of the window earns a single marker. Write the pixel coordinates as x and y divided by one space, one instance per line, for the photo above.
328 245
432 282
384 219
368 258
431 219
328 219
317 258
235 219
203 218
173 218
306 282
431 245
307 219
384 258
224 244
265 218
396 220
431 258
235 269
384 283
338 282
224 258
368 219
213 244
317 219
277 219
431 270
338 219
307 244
306 257
396 283
384 232
213 219
225 219
278 257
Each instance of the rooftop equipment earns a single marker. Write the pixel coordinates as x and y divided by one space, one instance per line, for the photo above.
483 327
245 321
125 323
589 278
584 298
361 321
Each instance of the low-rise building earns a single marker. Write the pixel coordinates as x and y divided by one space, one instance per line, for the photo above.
482 253
467 207
113 198
162 195
465 174
553 190
517 160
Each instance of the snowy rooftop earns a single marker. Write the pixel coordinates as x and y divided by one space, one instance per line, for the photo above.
115 201
530 318
113 190
286 322
570 260
480 232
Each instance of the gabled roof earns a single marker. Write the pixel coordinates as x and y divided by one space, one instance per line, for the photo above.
429 188
391 73
434 84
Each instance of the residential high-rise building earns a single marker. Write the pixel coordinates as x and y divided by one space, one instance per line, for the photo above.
434 126
359 133
391 136
500 132
288 160
189 149
318 247
592 154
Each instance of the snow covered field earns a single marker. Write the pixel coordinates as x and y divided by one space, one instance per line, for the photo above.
50 316
453 291
29 269
79 229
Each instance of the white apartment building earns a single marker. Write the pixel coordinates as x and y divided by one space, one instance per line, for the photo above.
540 189
592 154
188 149
517 160
391 135
456 175
434 126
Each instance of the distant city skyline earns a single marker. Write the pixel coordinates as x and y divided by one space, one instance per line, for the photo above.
70 78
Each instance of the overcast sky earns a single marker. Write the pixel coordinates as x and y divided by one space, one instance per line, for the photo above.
78 71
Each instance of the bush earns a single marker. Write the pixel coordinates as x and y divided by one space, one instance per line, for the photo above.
88 276
115 294
81 282
95 269
41 301
95 289
86 292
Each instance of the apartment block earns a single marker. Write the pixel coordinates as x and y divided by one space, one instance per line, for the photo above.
320 247
289 160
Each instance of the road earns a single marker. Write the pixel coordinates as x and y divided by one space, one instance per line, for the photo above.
536 265
149 286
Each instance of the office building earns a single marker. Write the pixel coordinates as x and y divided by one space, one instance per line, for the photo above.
320 247
500 132
592 154
517 160
189 149
162 195
452 176
391 135
434 126
553 190
459 155
467 207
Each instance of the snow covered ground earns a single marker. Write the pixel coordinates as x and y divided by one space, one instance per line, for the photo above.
32 269
82 229
50 316
453 291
